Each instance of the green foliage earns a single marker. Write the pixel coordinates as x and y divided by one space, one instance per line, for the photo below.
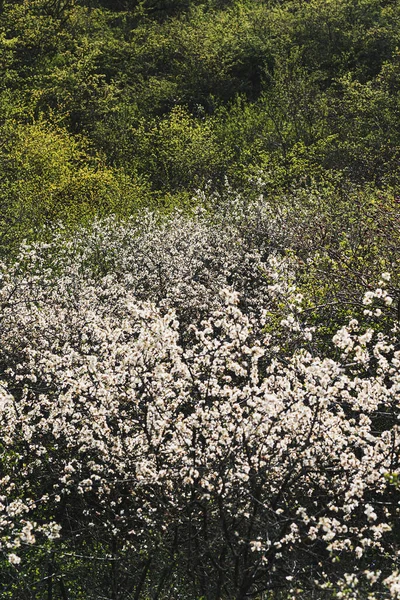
178 151
342 239
48 177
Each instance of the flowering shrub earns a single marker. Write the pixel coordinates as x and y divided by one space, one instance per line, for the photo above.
155 443
177 262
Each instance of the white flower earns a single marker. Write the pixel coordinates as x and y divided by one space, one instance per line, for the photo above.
256 546
358 552
393 583
371 514
368 297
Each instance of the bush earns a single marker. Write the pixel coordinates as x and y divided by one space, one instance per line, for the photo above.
189 461
47 176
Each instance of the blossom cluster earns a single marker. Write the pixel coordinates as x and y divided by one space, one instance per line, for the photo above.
147 421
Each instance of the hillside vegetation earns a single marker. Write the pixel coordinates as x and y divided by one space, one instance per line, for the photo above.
199 299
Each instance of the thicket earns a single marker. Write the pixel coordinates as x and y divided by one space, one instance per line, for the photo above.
199 299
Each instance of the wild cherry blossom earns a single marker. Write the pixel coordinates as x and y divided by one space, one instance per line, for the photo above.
148 424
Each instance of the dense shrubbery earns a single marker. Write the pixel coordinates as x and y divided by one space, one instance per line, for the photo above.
175 97
158 439
199 355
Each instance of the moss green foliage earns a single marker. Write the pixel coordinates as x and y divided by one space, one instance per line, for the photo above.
227 88
48 177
